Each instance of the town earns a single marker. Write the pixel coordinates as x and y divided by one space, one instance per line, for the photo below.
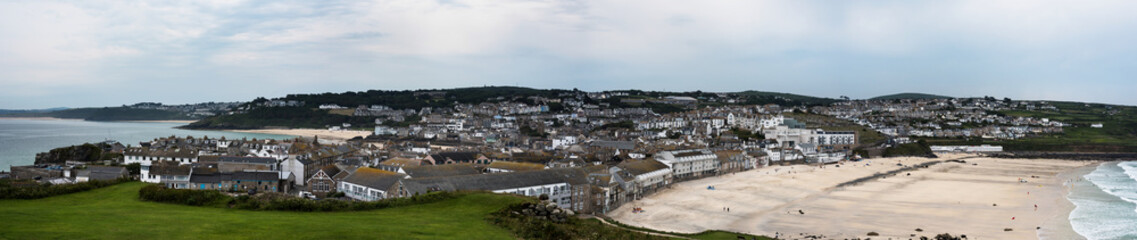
585 156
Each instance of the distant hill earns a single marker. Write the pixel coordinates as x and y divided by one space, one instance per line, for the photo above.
759 97
106 114
11 111
910 96
308 116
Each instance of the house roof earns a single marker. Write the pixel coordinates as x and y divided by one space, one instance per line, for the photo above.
169 168
622 145
208 178
724 154
331 170
146 152
374 178
253 160
515 166
497 181
399 162
213 177
456 156
638 167
426 171
102 172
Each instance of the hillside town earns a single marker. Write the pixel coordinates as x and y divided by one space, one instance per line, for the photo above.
946 118
589 158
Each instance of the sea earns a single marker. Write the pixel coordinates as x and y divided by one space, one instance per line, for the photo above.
21 139
1105 202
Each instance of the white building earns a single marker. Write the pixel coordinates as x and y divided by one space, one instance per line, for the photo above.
369 184
689 163
957 148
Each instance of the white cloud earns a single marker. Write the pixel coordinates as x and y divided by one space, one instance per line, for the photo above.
790 45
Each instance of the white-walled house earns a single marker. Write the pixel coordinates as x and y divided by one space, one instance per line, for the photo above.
648 175
560 185
369 184
689 163
296 166
146 158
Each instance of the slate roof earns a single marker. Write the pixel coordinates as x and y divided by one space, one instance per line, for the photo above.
208 178
103 172
160 153
374 178
638 167
497 181
170 168
253 160
427 171
235 176
622 145
398 161
331 170
516 166
456 156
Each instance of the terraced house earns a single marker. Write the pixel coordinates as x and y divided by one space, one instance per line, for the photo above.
687 164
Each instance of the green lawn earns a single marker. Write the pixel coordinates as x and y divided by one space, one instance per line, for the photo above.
116 213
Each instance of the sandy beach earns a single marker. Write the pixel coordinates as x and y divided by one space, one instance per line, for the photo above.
979 198
323 134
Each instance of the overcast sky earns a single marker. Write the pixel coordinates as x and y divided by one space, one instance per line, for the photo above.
96 53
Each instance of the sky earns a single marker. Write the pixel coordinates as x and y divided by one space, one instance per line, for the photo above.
107 53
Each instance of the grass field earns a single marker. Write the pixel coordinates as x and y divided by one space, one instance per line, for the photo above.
116 213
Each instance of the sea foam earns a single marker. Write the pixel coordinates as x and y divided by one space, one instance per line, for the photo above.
1106 202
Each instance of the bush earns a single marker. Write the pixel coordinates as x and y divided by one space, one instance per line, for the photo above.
158 193
33 190
282 202
526 227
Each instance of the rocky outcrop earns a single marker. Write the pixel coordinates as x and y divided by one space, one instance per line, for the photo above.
82 153
546 211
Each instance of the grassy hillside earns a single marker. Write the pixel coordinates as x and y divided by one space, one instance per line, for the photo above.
865 135
784 99
1118 132
910 96
296 117
116 213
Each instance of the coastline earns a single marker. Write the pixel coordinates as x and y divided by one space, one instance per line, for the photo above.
322 134
978 200
41 118
78 119
1059 226
158 121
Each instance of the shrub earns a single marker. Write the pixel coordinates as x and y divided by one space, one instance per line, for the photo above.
33 190
281 202
158 193
526 227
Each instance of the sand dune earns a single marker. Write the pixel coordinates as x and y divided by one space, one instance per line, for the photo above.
948 197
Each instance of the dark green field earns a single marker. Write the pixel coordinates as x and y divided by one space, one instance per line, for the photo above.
116 213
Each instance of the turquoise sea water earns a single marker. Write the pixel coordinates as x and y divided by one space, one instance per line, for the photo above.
21 139
1106 202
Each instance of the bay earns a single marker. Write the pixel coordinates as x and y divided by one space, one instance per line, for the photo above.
21 139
